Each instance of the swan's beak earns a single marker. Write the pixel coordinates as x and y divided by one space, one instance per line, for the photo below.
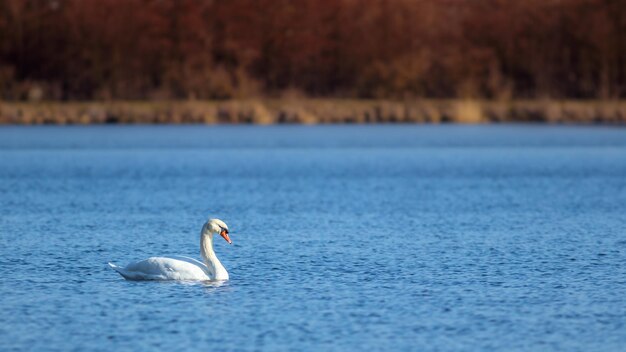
224 234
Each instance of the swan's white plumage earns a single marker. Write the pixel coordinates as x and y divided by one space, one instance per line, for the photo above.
165 268
180 267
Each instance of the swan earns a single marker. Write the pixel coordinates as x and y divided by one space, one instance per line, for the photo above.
183 268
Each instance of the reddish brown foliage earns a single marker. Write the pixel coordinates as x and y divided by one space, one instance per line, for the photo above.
138 49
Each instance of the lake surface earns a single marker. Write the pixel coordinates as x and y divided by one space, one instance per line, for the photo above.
372 238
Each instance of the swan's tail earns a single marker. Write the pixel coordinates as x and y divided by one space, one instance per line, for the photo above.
120 270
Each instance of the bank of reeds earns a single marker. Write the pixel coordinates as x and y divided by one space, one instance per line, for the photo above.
314 111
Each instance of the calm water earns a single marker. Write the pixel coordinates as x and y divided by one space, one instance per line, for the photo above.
429 238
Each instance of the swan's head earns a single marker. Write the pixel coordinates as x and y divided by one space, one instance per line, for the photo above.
218 226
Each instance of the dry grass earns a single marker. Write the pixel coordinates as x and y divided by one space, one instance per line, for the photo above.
314 111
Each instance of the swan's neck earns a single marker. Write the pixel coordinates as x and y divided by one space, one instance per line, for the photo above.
215 268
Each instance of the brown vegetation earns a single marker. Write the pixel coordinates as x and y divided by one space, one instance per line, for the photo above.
211 49
313 111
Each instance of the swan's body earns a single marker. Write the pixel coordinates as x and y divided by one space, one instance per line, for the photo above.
179 267
166 268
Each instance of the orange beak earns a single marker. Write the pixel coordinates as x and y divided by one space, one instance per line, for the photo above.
224 234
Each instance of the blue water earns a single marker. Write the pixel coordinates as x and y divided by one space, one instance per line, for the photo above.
371 238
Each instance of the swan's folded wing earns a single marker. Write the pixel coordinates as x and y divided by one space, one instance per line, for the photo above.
164 268
188 260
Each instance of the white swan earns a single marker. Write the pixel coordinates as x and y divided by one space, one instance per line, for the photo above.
183 268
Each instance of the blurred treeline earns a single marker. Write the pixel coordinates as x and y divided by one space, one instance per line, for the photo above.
194 49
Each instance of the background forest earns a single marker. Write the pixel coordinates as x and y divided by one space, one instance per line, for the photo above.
392 49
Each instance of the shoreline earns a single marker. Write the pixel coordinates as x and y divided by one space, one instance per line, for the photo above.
315 111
